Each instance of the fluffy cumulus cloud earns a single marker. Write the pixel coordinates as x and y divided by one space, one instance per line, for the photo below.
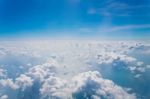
91 85
72 69
36 73
87 85
54 87
24 81
8 83
110 57
41 72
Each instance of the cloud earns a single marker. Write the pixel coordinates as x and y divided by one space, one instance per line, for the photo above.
104 30
112 8
3 73
4 97
24 81
40 72
110 57
54 87
8 83
91 85
72 69
125 27
84 85
142 49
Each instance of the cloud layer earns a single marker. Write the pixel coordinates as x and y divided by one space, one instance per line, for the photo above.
72 69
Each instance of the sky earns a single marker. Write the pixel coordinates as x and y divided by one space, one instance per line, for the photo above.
75 19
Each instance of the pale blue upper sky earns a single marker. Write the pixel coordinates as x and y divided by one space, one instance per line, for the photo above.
75 18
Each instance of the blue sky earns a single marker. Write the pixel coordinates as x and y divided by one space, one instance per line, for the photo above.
75 18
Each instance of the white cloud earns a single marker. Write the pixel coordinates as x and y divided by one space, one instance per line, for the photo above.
90 84
4 97
8 83
21 82
40 72
148 66
66 68
109 57
24 81
139 63
3 73
55 87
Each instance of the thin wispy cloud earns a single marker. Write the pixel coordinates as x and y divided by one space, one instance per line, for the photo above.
114 8
111 29
125 27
